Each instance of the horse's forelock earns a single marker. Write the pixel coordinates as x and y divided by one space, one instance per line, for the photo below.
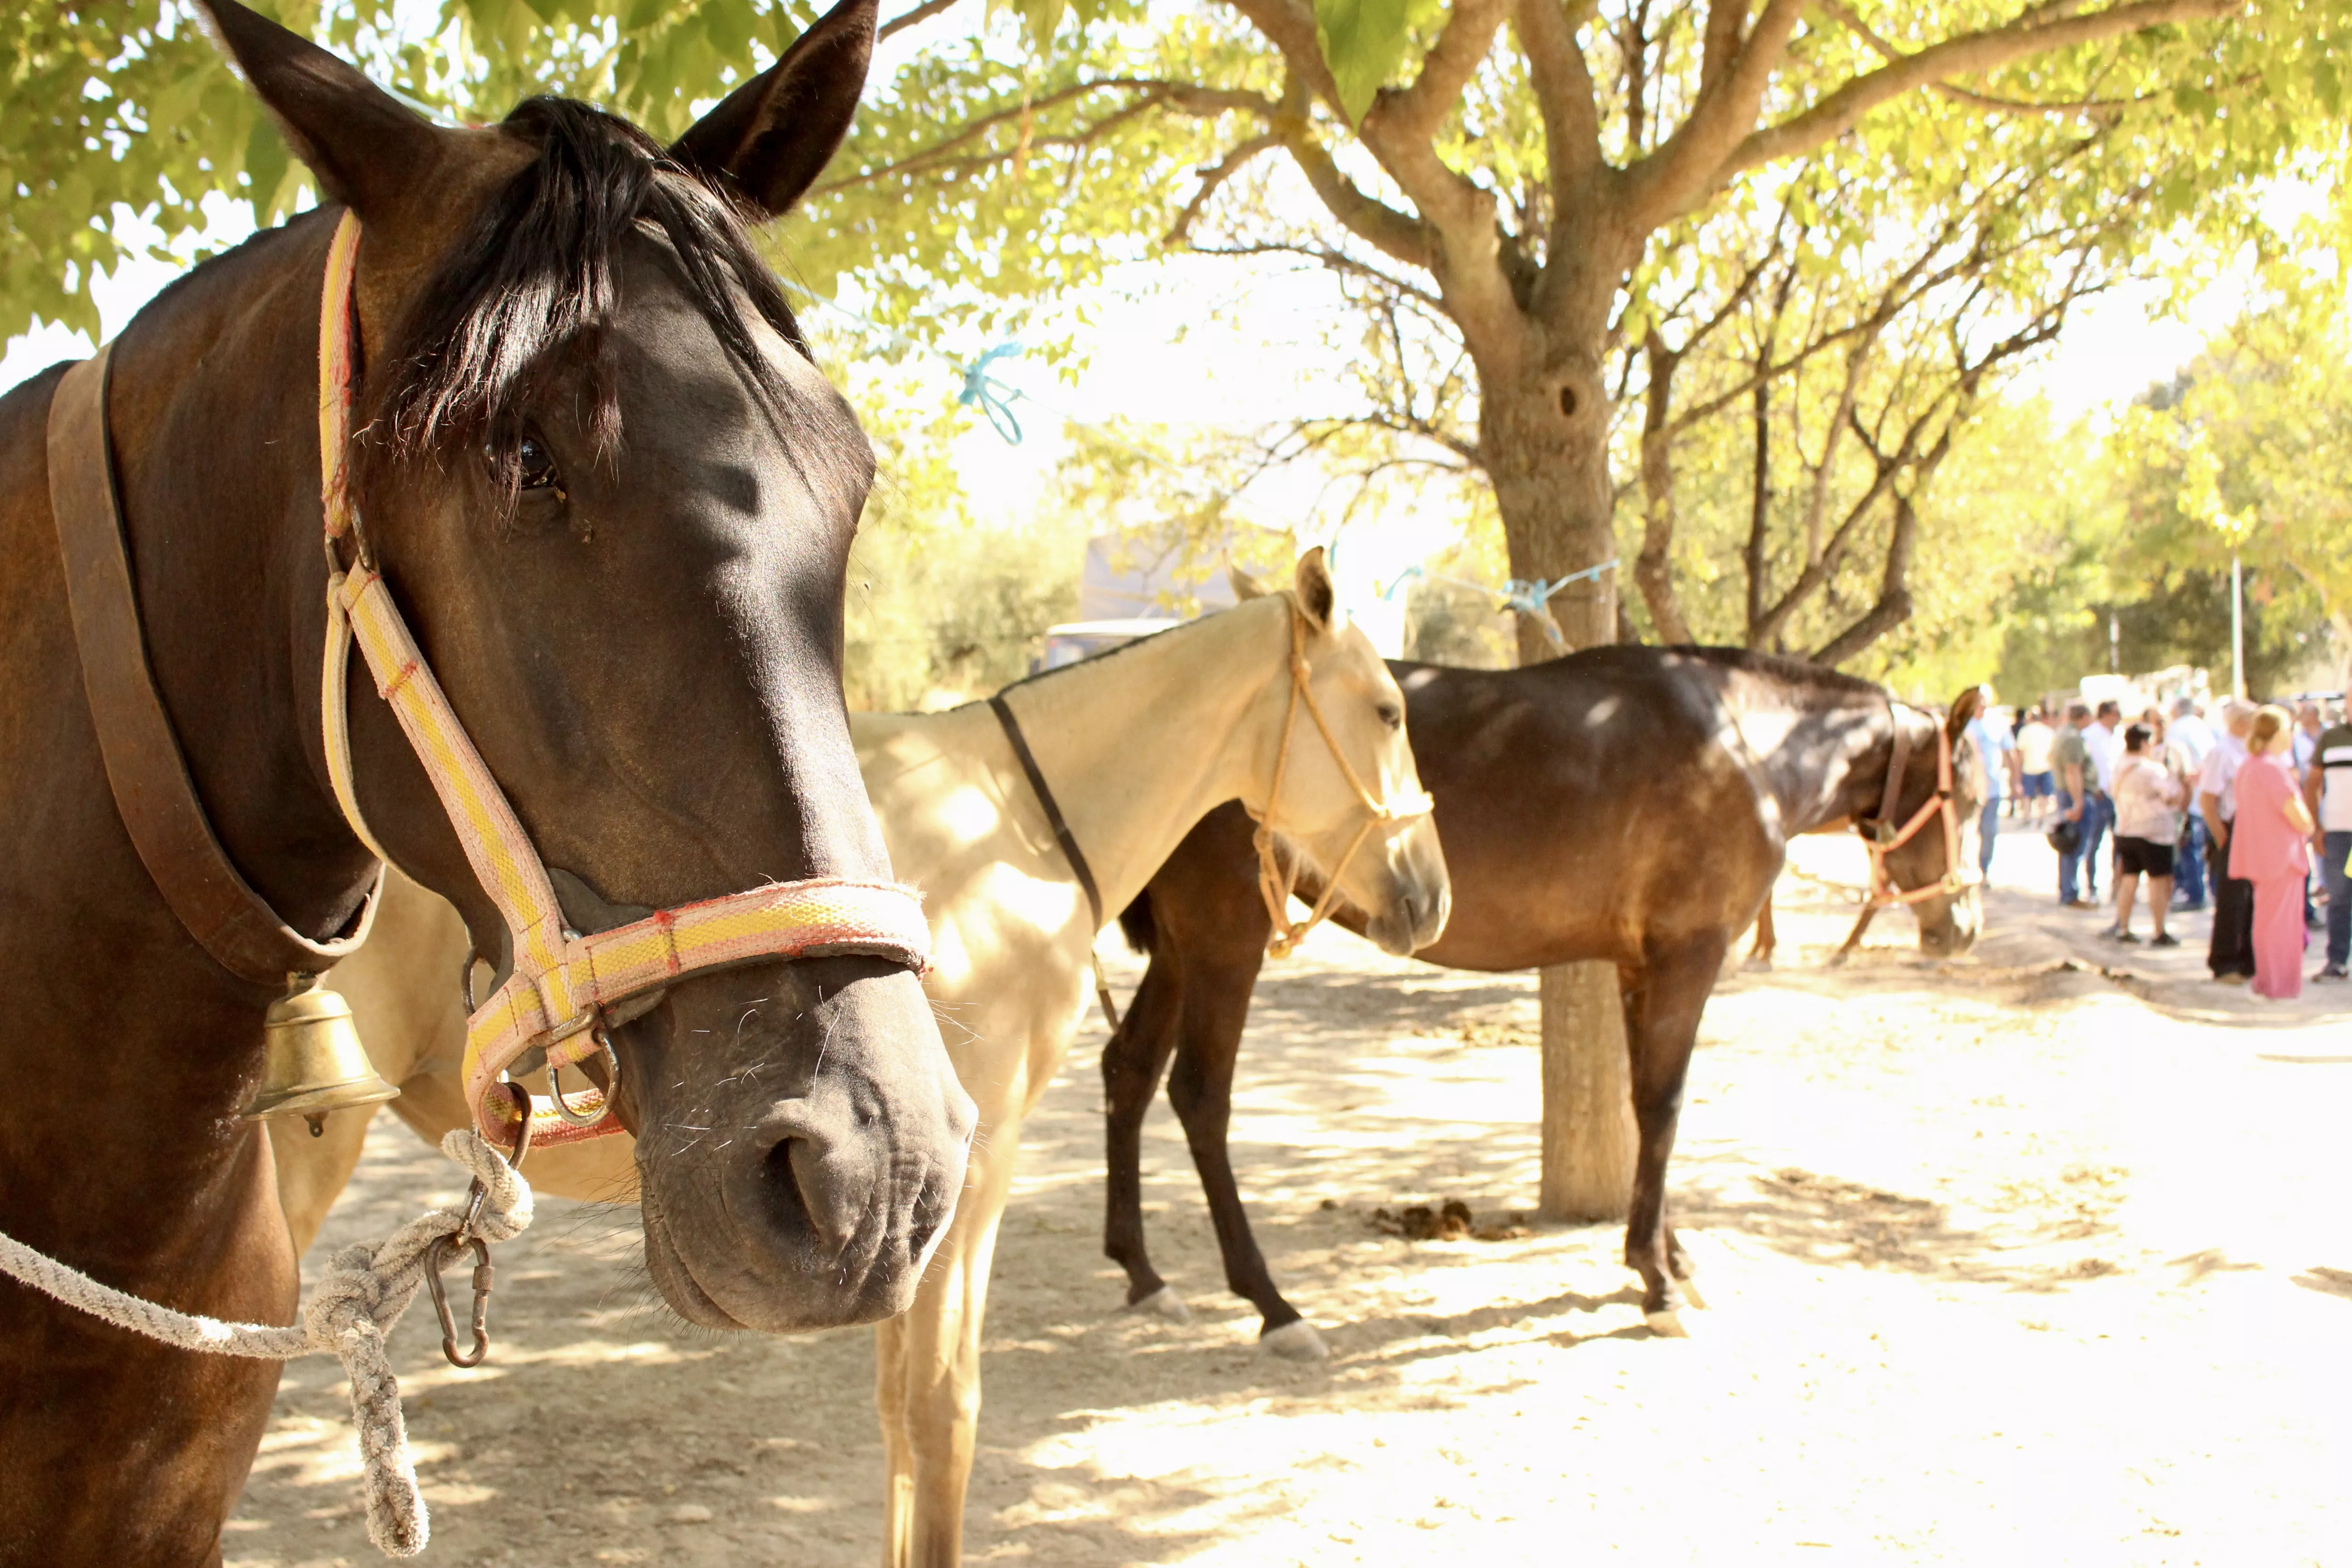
536 272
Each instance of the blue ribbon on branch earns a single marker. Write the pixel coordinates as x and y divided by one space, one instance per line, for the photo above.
1520 595
991 397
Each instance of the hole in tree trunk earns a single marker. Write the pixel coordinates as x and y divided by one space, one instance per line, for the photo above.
1568 402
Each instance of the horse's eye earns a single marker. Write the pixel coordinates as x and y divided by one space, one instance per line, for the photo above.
535 465
1392 715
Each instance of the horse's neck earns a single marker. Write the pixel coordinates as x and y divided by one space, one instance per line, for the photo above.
1824 751
1139 746
213 411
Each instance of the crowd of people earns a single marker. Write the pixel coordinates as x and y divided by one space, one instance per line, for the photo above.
2185 814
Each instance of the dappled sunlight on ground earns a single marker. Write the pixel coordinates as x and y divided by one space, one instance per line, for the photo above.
2005 1258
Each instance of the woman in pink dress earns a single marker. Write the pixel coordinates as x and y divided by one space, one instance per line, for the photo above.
2268 849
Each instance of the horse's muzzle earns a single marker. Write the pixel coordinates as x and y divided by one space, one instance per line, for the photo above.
799 1163
1422 896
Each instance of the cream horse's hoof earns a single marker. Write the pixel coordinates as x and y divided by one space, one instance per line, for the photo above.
1667 1325
1295 1342
1163 1303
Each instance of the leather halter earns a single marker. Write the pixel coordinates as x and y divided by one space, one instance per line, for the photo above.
145 770
561 981
1274 881
1882 839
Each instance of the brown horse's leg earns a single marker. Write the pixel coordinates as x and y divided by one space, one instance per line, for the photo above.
1200 1087
1853 937
1760 954
1133 1059
1662 1004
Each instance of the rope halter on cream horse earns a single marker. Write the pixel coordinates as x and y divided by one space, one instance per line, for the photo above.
1883 840
1275 881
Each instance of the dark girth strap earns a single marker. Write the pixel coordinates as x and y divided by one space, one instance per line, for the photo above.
144 767
1062 836
1898 763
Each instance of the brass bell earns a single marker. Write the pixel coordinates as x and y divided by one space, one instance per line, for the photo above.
315 1062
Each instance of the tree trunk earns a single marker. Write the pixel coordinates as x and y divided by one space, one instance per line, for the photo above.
1589 1138
1544 431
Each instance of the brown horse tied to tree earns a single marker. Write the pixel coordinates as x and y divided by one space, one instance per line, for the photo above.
615 500
1627 805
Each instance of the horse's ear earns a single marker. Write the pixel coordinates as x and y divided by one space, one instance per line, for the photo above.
770 139
366 147
1312 581
1965 708
1244 586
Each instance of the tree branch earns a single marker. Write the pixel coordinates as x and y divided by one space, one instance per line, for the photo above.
1654 571
1564 94
1184 97
1289 27
1893 605
1417 111
2107 108
1398 235
922 13
1721 47
2032 33
1212 178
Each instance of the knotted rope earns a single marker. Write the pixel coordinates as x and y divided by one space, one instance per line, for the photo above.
363 1293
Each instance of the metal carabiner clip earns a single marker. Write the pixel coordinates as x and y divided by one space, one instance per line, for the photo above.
436 1259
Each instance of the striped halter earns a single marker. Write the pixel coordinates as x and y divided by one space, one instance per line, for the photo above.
1882 836
563 981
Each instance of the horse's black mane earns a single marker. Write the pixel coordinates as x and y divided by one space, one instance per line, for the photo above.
537 269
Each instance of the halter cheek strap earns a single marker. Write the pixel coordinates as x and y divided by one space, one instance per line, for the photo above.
1275 880
561 982
1882 840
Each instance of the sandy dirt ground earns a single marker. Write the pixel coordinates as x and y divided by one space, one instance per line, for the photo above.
2037 1257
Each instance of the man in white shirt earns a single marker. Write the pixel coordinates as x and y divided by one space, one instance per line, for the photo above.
2036 788
2193 737
1996 750
2106 744
2231 954
2307 736
2190 731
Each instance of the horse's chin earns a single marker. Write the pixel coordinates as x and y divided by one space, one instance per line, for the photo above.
1410 923
1392 934
677 1283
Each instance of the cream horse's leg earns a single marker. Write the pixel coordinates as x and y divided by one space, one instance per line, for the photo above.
928 1371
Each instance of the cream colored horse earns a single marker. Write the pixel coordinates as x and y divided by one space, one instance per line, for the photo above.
1136 747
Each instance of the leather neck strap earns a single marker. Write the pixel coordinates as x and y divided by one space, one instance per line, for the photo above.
1044 794
145 766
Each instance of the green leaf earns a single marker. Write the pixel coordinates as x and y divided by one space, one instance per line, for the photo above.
1364 42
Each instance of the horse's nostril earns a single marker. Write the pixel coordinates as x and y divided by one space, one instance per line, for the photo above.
781 1183
923 1225
803 1196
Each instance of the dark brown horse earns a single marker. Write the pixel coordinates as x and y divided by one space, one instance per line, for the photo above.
1626 804
616 498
